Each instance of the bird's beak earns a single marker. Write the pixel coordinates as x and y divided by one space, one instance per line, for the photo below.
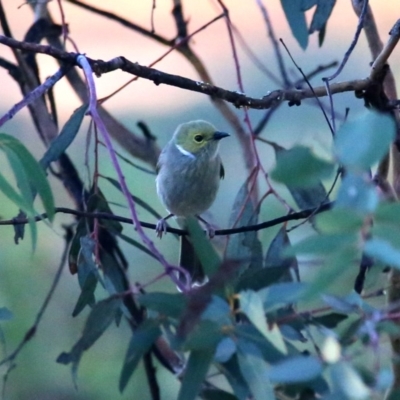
220 135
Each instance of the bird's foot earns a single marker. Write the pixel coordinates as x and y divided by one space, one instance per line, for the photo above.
209 230
161 226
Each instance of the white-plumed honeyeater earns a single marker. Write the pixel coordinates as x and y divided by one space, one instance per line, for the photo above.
188 173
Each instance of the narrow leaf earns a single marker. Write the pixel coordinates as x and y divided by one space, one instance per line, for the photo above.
141 342
255 371
208 256
299 167
296 369
297 20
361 143
195 373
65 138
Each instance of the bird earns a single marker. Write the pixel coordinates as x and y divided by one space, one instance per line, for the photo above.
189 170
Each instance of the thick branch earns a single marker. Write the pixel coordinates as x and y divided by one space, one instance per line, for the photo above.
159 77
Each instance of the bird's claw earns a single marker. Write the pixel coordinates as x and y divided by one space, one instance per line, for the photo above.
161 227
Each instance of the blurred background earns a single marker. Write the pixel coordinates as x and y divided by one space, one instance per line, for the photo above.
26 276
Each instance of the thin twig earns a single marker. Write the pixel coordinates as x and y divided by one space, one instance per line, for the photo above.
112 217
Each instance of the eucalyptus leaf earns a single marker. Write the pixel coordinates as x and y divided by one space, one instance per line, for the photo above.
67 135
296 369
140 343
297 20
299 167
361 143
196 370
254 371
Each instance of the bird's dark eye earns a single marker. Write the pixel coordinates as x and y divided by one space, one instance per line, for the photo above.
198 138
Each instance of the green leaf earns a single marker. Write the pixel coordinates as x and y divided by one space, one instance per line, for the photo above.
5 314
101 316
383 251
33 169
357 194
284 293
140 343
361 143
254 371
172 305
22 203
323 244
339 220
346 381
252 306
204 336
299 167
268 350
225 350
297 20
218 310
244 247
296 369
321 15
65 138
195 373
208 256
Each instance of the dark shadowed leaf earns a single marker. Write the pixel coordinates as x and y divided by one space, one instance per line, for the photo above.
196 370
217 394
141 342
370 134
65 138
205 251
101 316
299 167
232 373
276 258
87 275
297 20
309 197
168 304
260 278
296 369
329 320
254 370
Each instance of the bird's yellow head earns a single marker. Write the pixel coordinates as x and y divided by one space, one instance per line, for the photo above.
197 137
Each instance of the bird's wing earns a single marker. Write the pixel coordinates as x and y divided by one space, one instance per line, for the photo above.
221 171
